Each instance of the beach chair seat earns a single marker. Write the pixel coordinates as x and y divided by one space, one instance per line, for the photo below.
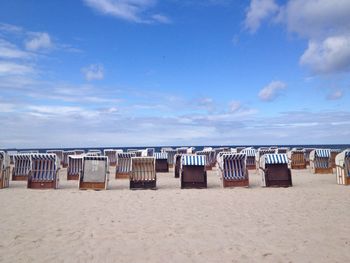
161 162
232 170
65 158
5 163
297 159
342 161
44 171
177 165
250 158
22 167
143 173
274 170
193 172
75 166
123 167
94 174
320 161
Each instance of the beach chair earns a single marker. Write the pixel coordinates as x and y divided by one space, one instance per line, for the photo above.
94 174
75 166
250 158
150 152
166 149
193 172
44 171
161 162
297 159
307 155
274 170
12 154
138 153
79 152
112 156
171 155
4 170
177 165
209 155
123 167
320 161
143 173
93 152
342 161
261 152
282 150
334 153
181 150
59 154
21 168
65 158
232 169
239 149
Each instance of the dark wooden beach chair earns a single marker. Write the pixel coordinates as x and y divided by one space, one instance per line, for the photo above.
22 167
123 167
177 165
161 162
4 170
44 171
94 174
274 170
297 159
342 161
193 172
232 169
320 161
250 158
143 174
75 166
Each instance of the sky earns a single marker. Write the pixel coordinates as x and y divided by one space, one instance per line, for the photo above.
98 73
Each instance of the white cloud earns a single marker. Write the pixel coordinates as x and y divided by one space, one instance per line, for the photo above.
235 106
10 51
38 41
161 19
93 72
335 95
12 68
272 91
257 12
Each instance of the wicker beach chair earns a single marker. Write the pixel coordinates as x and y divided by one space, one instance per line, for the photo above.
93 152
320 161
44 171
4 170
250 158
297 159
161 162
192 171
282 150
22 167
123 167
210 158
112 156
334 153
143 173
177 165
274 170
138 153
261 152
94 174
59 154
75 166
65 158
307 155
79 152
171 155
12 154
342 161
232 169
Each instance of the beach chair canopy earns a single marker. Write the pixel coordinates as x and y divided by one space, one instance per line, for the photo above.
95 169
143 169
23 164
161 156
75 164
273 159
249 152
233 166
320 153
44 166
193 160
78 152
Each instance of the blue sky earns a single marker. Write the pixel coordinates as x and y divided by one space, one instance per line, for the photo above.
147 72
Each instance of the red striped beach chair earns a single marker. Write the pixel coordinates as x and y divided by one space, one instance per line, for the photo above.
192 171
4 170
94 174
232 169
320 161
274 170
123 167
22 166
161 162
297 159
44 171
75 166
143 173
342 161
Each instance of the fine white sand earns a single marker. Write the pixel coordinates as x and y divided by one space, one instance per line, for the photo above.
309 222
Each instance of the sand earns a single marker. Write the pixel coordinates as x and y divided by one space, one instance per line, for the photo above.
305 223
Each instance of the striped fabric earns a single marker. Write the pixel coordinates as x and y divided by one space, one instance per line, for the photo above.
94 152
196 160
171 155
124 162
233 166
95 169
210 156
65 157
323 153
162 156
143 169
336 151
112 156
22 164
166 149
59 154
276 158
79 152
75 164
44 167
249 152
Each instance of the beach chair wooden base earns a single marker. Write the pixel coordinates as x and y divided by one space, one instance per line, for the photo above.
41 185
135 185
278 176
122 175
19 177
72 177
92 186
192 177
323 170
176 174
5 178
235 183
298 166
162 166
251 167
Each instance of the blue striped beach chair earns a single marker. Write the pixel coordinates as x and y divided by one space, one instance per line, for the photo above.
65 158
112 156
123 167
250 158
342 161
59 154
274 170
192 171
232 169
297 158
161 162
75 166
320 161
4 170
22 167
143 173
44 171
261 152
210 158
94 174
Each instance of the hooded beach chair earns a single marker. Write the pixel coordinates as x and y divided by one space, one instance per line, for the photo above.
11 154
177 165
59 154
282 150
250 158
138 153
161 162
94 152
232 169
307 155
21 168
320 161
261 152
171 155
334 153
79 152
75 166
65 158
193 172
94 174
182 150
209 158
297 159
123 167
150 152
274 170
112 156
4 170
342 161
143 173
44 171
239 149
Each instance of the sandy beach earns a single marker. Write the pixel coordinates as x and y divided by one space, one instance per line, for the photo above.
305 223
